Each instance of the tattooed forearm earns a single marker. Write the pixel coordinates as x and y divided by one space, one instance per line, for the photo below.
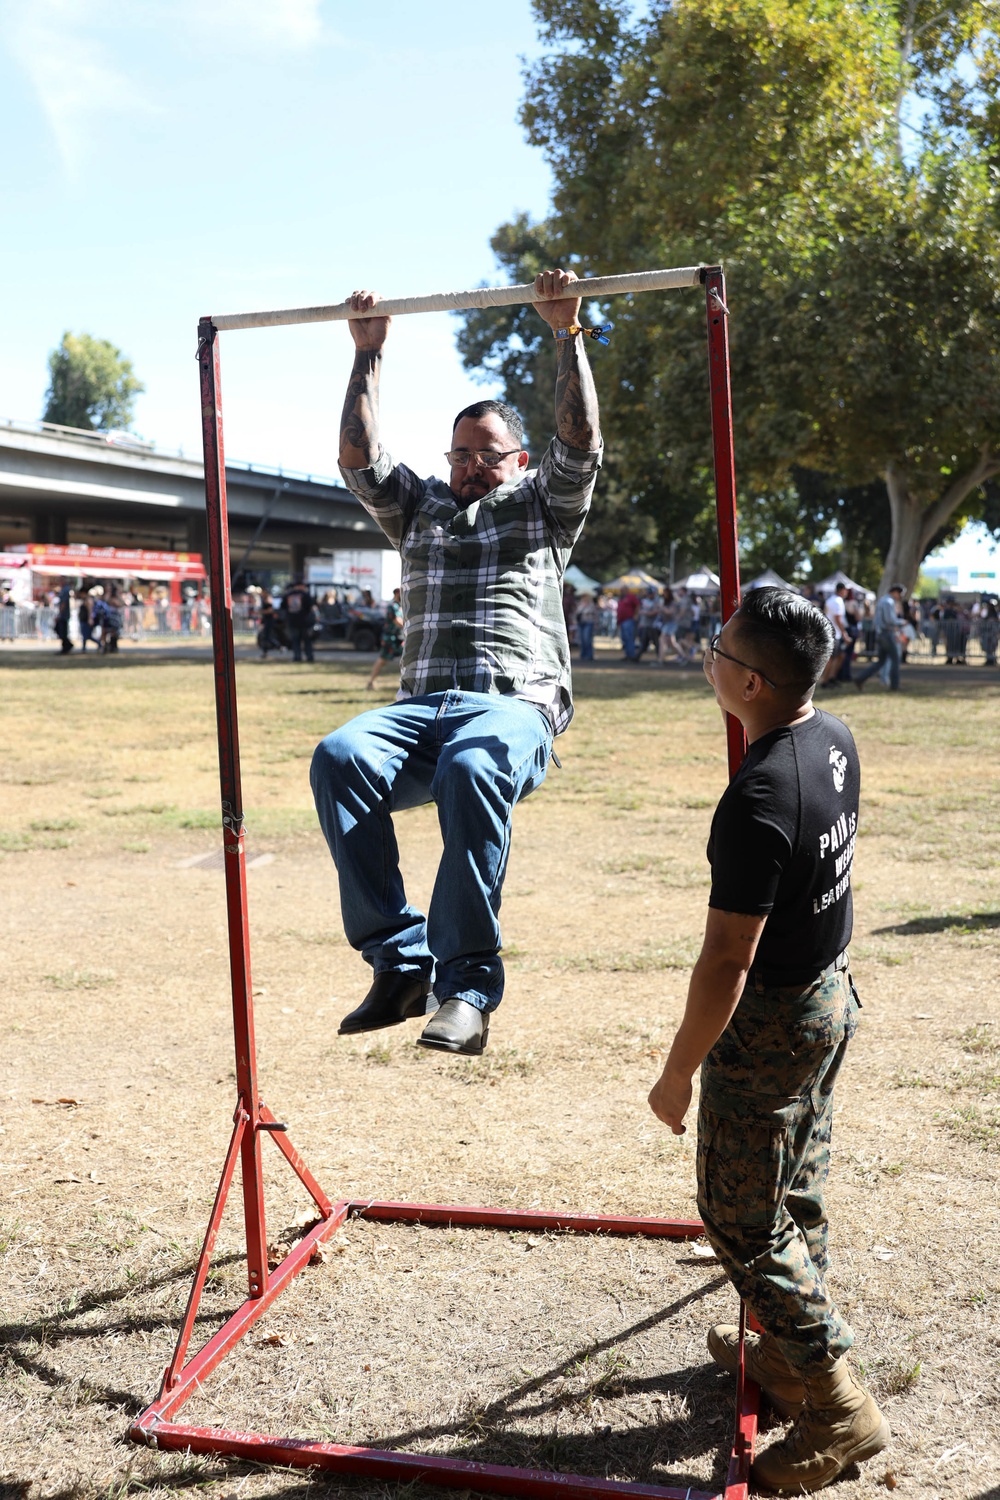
359 421
577 419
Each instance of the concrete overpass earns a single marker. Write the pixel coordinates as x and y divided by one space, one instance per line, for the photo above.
59 485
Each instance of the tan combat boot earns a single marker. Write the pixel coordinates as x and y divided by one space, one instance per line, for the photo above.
763 1362
839 1424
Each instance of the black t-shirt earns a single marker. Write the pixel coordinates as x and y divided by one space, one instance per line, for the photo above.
782 843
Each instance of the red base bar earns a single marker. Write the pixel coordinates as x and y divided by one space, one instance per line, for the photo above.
409 1468
517 1218
154 1427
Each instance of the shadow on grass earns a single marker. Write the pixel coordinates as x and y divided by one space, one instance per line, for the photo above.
957 922
58 1327
651 1451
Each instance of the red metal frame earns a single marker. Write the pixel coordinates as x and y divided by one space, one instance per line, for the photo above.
720 387
252 1118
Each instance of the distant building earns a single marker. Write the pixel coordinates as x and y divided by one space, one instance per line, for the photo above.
61 486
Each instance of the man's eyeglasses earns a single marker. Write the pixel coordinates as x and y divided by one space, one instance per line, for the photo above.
717 650
460 458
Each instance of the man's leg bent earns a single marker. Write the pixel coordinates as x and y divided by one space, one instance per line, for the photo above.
494 752
374 764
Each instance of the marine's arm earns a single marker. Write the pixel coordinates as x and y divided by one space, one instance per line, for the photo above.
359 444
717 981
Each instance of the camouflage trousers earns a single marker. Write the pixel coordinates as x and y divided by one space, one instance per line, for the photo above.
764 1126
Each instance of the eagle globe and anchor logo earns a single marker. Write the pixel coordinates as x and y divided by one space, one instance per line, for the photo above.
838 761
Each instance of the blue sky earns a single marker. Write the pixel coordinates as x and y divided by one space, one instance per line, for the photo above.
170 158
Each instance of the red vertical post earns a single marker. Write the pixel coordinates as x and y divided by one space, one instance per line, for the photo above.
720 387
224 658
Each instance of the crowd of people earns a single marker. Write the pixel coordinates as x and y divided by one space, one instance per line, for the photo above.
100 615
669 624
663 625
673 625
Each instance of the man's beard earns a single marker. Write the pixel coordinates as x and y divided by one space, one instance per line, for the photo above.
473 489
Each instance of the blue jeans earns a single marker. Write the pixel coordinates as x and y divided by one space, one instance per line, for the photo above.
585 631
627 630
301 641
475 755
887 663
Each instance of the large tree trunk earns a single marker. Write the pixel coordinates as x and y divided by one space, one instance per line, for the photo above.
915 523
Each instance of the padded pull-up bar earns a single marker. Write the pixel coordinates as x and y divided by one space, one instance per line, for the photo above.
483 296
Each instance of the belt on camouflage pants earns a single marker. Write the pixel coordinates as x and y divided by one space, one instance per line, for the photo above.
770 979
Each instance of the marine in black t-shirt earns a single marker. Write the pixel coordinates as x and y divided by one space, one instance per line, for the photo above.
782 845
770 1011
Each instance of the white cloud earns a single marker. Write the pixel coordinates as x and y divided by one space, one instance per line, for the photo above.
66 48
72 75
258 23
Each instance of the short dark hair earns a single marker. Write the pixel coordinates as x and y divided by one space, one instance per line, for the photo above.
786 637
506 413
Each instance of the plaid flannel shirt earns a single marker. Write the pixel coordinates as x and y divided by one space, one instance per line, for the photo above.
482 585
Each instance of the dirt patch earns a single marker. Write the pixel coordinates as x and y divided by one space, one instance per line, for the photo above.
117 1094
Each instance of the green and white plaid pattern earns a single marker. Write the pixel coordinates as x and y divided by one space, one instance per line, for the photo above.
482 586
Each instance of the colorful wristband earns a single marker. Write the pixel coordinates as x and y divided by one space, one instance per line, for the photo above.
599 334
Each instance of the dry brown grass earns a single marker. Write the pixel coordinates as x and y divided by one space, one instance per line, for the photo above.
583 1354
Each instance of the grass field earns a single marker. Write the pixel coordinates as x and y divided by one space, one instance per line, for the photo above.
117 1093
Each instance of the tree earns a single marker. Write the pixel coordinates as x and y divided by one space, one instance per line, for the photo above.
513 345
91 384
861 250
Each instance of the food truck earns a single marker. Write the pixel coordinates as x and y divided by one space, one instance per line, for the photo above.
33 569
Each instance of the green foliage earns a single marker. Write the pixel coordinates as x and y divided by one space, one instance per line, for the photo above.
91 384
512 344
861 254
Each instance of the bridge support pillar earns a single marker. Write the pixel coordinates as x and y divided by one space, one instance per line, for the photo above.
197 532
49 528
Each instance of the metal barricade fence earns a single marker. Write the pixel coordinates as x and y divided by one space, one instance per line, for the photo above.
960 640
140 622
973 641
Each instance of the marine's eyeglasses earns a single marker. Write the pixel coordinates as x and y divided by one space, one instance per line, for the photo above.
717 650
460 458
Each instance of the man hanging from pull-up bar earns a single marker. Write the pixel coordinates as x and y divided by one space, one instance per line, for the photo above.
484 682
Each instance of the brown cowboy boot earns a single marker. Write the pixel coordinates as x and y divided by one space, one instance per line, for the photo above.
763 1362
839 1424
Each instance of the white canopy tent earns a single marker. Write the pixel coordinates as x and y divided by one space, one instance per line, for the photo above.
578 578
769 579
704 581
827 585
